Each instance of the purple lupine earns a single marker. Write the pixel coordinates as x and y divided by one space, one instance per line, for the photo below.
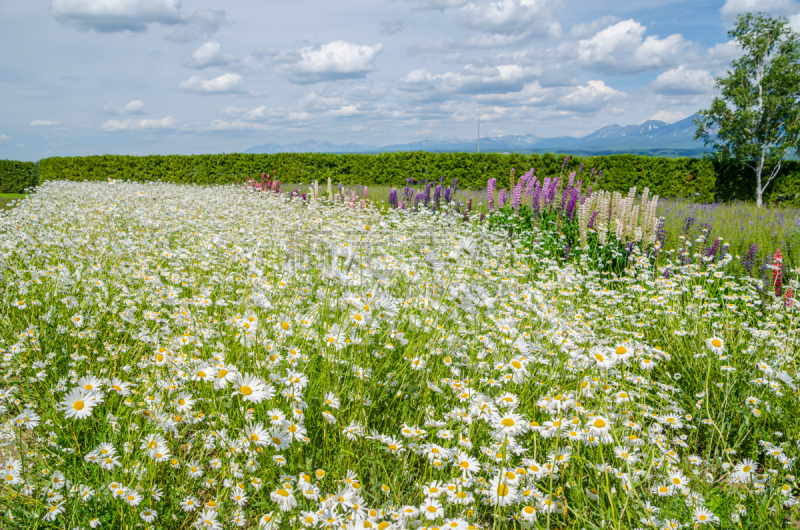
567 250
661 231
455 186
551 193
490 185
576 193
469 205
501 199
448 194
427 192
580 170
711 252
629 250
750 258
592 219
687 224
393 198
516 197
437 195
420 197
535 198
564 164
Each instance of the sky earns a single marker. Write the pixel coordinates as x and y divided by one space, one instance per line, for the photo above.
85 77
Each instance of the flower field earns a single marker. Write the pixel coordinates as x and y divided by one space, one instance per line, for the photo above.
222 357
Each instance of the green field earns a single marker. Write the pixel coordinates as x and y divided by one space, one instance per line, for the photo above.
7 198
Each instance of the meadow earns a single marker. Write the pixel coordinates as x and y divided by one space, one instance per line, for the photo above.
224 356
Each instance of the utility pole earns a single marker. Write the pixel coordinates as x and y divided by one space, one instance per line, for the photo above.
479 133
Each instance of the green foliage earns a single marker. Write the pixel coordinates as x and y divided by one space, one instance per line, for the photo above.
735 182
664 176
756 121
16 176
696 179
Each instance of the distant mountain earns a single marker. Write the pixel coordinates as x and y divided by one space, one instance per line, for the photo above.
651 137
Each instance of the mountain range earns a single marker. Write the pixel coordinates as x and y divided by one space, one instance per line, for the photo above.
652 137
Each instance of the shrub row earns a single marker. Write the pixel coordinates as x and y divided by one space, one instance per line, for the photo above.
702 180
16 176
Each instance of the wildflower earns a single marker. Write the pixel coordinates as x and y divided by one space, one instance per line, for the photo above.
78 404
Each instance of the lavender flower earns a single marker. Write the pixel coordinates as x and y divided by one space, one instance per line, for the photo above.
393 198
490 193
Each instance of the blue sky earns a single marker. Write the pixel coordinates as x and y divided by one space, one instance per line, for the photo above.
81 77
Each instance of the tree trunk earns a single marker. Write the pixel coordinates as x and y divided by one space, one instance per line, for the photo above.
759 189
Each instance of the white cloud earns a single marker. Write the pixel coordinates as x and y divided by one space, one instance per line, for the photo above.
682 81
201 24
131 124
499 79
669 116
4 138
134 107
111 16
620 48
209 55
329 62
794 22
44 123
722 53
513 16
587 29
224 83
441 5
775 7
107 16
589 97
20 146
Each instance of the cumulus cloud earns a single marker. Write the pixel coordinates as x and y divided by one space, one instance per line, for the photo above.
201 24
441 5
44 123
775 7
530 17
669 116
108 16
622 48
794 22
589 97
681 80
499 79
587 29
112 16
209 54
131 124
132 107
4 138
329 62
225 83
722 53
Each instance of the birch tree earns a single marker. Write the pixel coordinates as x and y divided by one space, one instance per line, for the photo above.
755 119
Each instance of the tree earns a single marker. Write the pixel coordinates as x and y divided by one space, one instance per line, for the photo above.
756 121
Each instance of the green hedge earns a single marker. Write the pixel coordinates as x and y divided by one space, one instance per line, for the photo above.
16 176
699 179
